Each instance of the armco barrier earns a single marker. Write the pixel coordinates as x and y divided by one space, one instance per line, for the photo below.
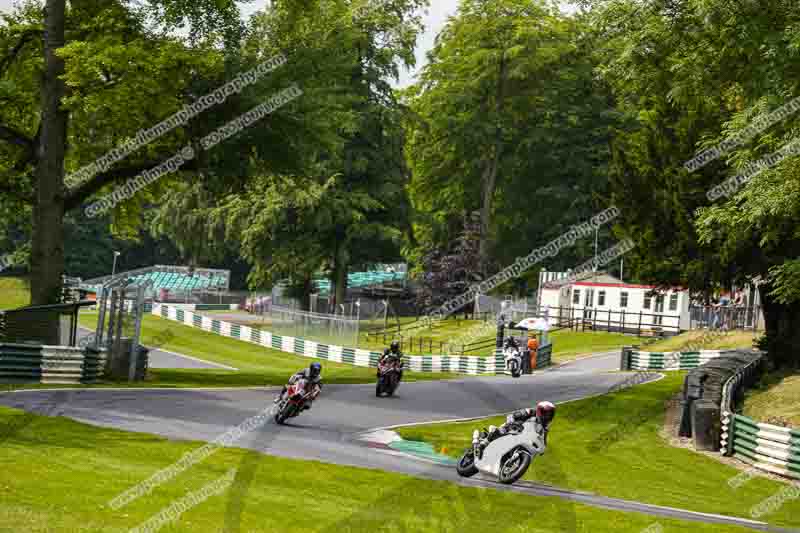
338 354
639 360
771 448
766 447
203 307
50 364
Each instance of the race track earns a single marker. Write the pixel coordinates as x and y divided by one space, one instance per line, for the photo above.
330 431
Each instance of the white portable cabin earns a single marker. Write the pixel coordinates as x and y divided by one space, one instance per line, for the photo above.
614 305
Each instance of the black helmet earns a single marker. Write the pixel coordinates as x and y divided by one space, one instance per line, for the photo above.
395 347
545 413
315 369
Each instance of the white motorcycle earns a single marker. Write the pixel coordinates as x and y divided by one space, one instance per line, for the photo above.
508 457
513 358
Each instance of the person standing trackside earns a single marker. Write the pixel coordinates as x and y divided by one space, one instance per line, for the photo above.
533 348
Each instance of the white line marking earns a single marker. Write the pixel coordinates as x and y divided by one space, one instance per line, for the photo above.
219 365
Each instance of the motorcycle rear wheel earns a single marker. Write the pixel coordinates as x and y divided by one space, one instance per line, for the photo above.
514 467
466 464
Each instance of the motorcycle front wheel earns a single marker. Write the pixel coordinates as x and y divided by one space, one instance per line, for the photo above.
466 464
393 385
282 414
514 467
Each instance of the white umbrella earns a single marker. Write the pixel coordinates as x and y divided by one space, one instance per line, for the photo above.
538 324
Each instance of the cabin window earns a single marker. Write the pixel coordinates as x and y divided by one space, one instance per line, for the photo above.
647 299
576 296
623 299
601 298
673 302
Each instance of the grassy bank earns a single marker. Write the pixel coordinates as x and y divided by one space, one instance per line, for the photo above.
705 340
611 446
425 340
776 400
59 475
257 365
14 292
567 344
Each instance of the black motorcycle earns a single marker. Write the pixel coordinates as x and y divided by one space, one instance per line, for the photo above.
388 377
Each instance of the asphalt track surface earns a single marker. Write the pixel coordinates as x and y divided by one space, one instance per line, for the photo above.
158 358
333 430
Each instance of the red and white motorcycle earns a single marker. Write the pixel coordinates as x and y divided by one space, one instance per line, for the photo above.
292 403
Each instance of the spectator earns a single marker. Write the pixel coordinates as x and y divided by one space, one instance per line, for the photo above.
715 312
533 348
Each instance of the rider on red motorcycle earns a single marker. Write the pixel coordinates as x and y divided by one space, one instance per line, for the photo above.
313 377
544 413
390 354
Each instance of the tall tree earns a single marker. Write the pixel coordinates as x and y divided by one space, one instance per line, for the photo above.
343 154
91 50
511 122
689 75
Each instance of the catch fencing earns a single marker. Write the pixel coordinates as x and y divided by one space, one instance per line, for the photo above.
339 354
340 330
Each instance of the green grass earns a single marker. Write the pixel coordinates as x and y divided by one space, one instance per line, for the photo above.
611 446
257 365
568 344
776 400
60 475
694 340
14 292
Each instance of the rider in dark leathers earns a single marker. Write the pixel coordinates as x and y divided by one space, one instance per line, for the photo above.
544 414
511 342
393 352
313 377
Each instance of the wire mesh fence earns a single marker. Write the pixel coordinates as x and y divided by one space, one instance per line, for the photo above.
722 317
340 330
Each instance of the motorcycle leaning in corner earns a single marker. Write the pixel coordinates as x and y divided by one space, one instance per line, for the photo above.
298 395
507 452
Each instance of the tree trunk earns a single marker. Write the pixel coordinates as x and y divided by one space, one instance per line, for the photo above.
47 262
341 267
489 178
782 340
305 297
